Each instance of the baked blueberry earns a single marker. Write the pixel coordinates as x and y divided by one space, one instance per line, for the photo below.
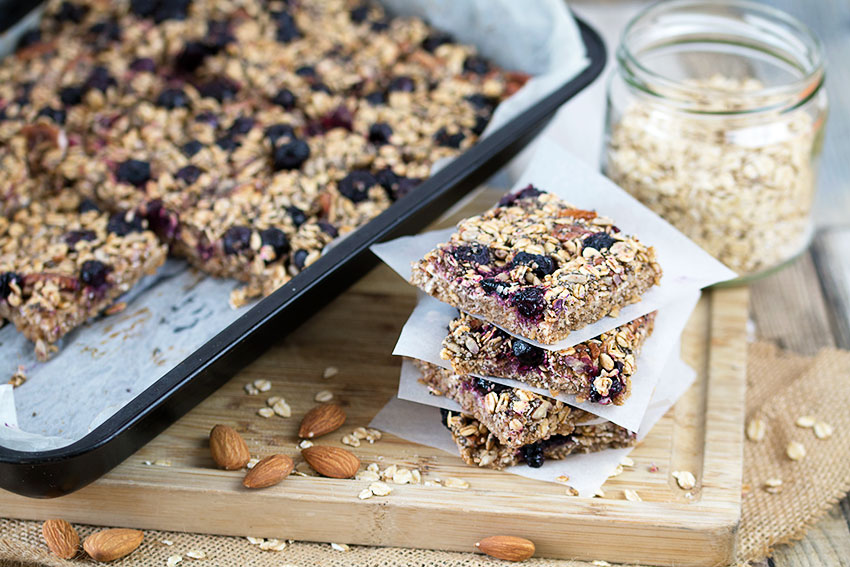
71 238
340 117
242 125
70 12
306 71
541 265
359 14
105 32
379 133
100 79
133 171
530 302
533 455
481 101
290 155
220 88
527 354
120 224
191 147
191 57
93 273
435 39
355 186
328 228
189 173
376 98
299 257
276 239
8 280
71 96
143 65
56 115
526 193
207 117
402 84
472 254
477 65
599 241
143 8
87 205
278 131
443 138
287 29
237 239
171 10
172 98
285 99
297 215
227 142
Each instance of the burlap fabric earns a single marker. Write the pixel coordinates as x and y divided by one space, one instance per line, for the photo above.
781 387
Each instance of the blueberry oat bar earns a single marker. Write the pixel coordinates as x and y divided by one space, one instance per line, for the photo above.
538 266
478 446
515 417
62 261
598 370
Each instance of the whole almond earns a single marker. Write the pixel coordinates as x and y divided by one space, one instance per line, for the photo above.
109 545
228 449
331 461
61 538
268 472
321 420
509 548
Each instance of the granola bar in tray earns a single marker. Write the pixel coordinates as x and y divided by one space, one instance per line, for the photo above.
63 261
480 447
538 266
598 370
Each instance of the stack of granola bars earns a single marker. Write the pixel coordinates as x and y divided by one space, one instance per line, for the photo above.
532 270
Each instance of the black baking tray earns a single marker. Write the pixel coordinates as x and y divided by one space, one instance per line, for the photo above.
47 474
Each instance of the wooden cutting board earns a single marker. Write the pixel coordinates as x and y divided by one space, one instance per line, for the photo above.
702 434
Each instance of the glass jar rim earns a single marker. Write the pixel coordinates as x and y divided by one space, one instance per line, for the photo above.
798 91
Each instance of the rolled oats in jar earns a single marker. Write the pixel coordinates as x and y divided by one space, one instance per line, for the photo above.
715 121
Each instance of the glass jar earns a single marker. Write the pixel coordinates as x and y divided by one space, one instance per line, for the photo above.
715 121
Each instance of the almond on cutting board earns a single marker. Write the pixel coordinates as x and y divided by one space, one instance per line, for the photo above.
109 545
321 420
332 462
268 472
61 538
509 548
228 449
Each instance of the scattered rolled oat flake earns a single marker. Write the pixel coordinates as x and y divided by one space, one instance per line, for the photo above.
255 540
324 396
373 467
805 421
627 462
685 479
416 476
617 471
350 440
196 554
167 542
402 476
147 463
570 491
367 475
262 385
453 482
173 560
273 545
265 412
773 485
365 494
330 372
379 488
795 450
273 400
599 493
631 495
600 563
563 478
282 409
340 547
305 444
162 463
18 378
252 462
116 308
823 430
756 429
251 390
